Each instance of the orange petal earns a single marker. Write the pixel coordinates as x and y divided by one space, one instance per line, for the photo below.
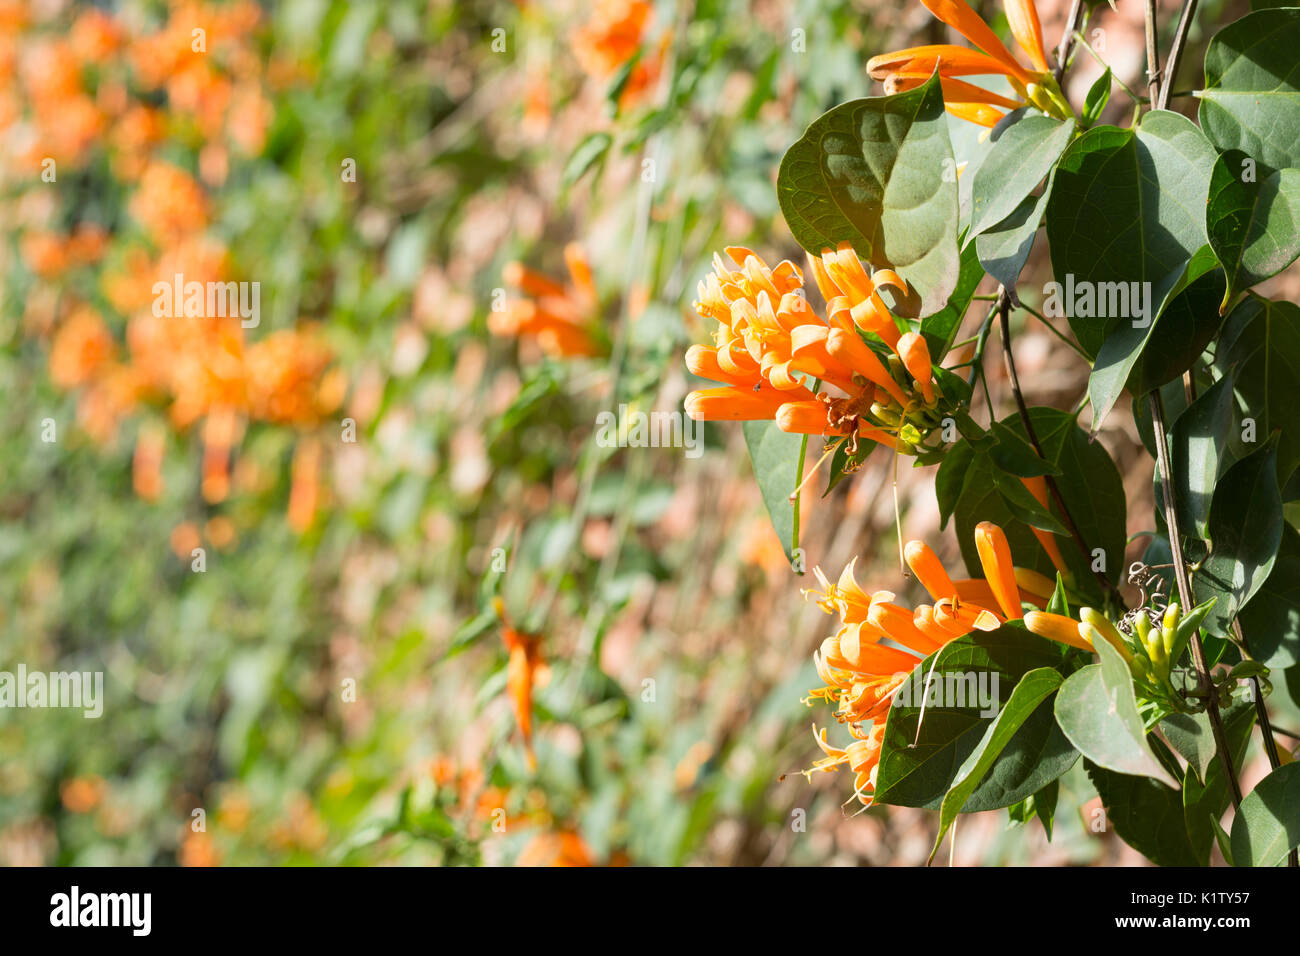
929 570
733 404
1038 488
958 15
1056 627
897 624
703 361
1022 16
995 558
853 352
804 418
950 60
916 357
978 113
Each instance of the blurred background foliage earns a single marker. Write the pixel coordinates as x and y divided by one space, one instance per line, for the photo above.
333 686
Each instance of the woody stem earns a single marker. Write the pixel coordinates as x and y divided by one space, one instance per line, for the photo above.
1185 595
1176 51
1073 23
1004 313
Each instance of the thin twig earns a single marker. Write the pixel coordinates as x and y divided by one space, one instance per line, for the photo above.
1134 96
1004 313
1176 51
1153 54
1205 684
1073 23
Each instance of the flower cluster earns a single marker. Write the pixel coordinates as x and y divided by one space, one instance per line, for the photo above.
861 674
770 346
560 316
107 95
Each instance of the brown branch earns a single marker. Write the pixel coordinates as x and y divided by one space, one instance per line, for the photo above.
1073 23
1205 685
1004 311
1176 51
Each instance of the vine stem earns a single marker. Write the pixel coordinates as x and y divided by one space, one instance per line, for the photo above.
1004 312
1205 684
1176 51
1073 23
1153 54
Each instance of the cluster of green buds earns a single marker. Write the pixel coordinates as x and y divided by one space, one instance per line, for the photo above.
918 425
1153 647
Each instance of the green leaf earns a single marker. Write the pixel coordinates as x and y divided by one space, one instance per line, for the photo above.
1097 98
1190 735
1181 332
1204 803
1031 691
1267 825
1245 529
1088 481
1261 341
1013 454
777 456
1004 249
921 775
1253 220
1041 804
1147 815
1197 450
585 155
1098 712
1022 154
878 172
1127 206
940 329
1271 619
1251 100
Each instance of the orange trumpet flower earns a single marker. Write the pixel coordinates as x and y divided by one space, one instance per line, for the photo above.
905 69
861 674
559 316
771 346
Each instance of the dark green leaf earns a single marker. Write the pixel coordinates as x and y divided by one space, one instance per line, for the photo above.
1267 825
1253 220
1245 531
1197 448
1251 100
1030 691
920 775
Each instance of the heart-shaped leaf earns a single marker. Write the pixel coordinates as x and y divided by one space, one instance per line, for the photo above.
879 173
1253 220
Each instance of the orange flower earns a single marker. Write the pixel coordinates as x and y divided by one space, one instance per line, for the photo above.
82 347
862 675
565 848
559 316
612 37
906 69
770 346
523 670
